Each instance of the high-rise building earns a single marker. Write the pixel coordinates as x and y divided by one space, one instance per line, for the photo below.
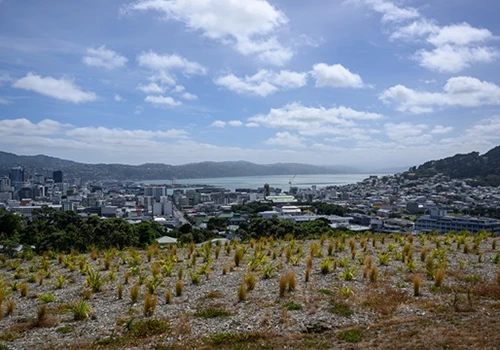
16 177
57 176
155 191
39 179
267 190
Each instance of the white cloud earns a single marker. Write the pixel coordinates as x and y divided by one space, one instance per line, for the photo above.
155 61
440 129
178 88
407 133
24 126
162 100
62 89
391 12
102 133
118 98
4 101
263 83
138 110
223 124
460 34
104 58
453 59
151 88
287 140
235 123
189 96
249 26
454 47
295 116
458 92
335 76
218 124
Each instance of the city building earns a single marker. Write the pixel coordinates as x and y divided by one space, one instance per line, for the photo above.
57 176
439 221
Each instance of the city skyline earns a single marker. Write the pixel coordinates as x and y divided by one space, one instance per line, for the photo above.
362 83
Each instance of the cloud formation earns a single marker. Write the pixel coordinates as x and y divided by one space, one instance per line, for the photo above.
104 58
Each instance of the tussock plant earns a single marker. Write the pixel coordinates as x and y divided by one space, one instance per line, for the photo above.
120 291
47 298
330 247
41 316
307 274
23 289
168 297
416 285
291 281
178 288
238 256
438 277
250 281
423 253
9 307
149 305
242 293
494 244
59 282
373 274
283 282
383 259
134 293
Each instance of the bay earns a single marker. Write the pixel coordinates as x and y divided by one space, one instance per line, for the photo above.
276 181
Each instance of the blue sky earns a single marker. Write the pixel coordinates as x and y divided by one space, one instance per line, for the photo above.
364 83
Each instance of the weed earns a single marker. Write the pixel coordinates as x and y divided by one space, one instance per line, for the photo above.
212 313
293 306
147 328
351 336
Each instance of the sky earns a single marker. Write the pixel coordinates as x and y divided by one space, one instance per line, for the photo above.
369 84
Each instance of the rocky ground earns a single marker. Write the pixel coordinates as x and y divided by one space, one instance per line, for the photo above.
339 292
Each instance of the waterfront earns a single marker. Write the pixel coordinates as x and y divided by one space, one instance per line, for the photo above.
277 181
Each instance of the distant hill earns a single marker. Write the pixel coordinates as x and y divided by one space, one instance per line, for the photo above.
152 171
484 169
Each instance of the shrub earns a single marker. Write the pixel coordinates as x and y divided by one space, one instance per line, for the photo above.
80 310
438 277
242 293
134 293
149 305
250 281
178 288
416 285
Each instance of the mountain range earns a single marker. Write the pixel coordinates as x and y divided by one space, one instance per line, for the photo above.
45 165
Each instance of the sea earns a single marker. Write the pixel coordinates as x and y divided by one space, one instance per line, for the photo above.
276 181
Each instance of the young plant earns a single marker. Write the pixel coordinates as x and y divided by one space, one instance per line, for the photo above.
439 277
250 281
80 310
373 274
242 293
9 308
94 280
416 285
120 291
178 288
325 266
168 297
149 305
47 298
291 281
134 293
23 289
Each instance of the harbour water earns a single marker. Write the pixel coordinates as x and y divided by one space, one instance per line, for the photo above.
277 181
